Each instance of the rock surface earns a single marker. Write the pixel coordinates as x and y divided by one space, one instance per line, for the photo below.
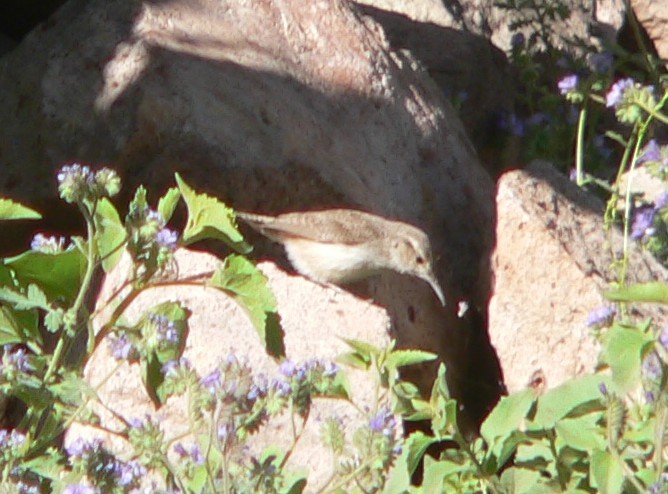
218 327
552 261
654 19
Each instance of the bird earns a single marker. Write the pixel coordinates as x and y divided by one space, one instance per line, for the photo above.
341 246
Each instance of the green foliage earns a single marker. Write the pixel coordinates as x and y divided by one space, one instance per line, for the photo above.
10 210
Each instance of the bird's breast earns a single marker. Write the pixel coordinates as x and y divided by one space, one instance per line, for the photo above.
330 262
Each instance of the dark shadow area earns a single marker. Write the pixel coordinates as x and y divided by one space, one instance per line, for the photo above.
462 65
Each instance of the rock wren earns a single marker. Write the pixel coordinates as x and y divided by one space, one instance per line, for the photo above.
343 245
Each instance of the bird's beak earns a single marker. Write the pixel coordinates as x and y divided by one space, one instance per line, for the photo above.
431 279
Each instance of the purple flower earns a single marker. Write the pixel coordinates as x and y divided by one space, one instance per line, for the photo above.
10 440
511 123
212 381
282 388
288 368
383 422
661 201
81 447
129 473
14 361
540 118
165 327
167 238
517 40
224 432
643 222
80 489
602 62
121 347
663 337
616 93
601 317
568 84
180 450
196 454
330 369
651 152
600 145
651 367
75 182
48 245
603 389
153 216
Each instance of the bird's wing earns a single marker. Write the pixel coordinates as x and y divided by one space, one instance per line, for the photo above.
322 226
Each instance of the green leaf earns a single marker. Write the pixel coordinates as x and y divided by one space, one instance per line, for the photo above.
520 480
582 433
507 415
654 292
398 480
209 218
441 476
19 326
293 483
111 234
623 349
10 210
606 473
153 379
354 360
557 403
444 408
248 286
34 299
402 358
416 445
58 275
167 203
152 367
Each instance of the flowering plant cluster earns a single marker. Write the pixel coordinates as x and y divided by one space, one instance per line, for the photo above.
43 291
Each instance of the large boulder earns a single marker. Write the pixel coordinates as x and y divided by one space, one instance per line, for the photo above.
553 259
272 106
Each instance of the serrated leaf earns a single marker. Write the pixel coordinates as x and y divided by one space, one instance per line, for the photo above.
354 360
34 299
248 286
10 210
209 218
623 350
48 465
58 275
507 415
71 389
557 403
606 473
53 320
167 203
111 234
365 350
654 292
402 358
